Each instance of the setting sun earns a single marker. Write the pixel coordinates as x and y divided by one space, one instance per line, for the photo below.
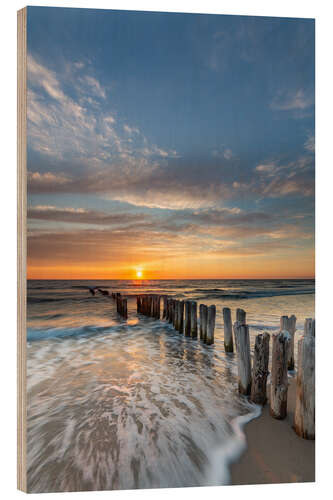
139 274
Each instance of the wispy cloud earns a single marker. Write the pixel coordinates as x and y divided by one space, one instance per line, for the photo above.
83 216
310 144
70 118
223 152
298 100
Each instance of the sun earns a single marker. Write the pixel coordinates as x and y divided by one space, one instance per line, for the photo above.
139 274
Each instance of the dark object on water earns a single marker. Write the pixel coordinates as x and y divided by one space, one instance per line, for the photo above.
93 289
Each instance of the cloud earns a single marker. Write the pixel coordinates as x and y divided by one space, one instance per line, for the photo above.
47 182
83 216
223 152
69 118
78 65
310 144
131 130
155 242
95 86
109 119
293 100
277 179
145 182
269 167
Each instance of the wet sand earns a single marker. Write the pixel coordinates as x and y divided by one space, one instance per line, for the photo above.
275 454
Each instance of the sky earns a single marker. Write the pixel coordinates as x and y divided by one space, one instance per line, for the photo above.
172 145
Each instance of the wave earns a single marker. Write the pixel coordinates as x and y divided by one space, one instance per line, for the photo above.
88 330
254 295
231 451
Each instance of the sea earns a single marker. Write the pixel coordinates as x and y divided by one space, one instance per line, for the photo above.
126 404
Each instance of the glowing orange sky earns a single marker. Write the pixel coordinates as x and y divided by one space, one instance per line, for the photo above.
190 156
182 268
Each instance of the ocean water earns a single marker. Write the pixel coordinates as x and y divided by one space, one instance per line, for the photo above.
115 404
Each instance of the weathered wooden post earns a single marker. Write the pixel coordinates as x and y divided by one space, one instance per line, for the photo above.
211 314
304 418
292 330
203 311
289 324
228 340
158 307
260 369
309 327
279 376
241 316
174 312
175 315
167 309
165 297
181 316
242 340
170 318
125 308
194 323
187 322
154 306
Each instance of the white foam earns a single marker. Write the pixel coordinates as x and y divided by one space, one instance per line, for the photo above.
218 473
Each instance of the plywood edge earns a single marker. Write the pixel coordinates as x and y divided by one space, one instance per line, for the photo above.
21 247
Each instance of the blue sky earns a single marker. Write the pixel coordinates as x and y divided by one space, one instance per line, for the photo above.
192 132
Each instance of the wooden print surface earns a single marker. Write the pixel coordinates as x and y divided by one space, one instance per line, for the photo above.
166 330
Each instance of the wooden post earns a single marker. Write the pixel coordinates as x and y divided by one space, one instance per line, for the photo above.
304 418
170 318
155 306
242 340
175 315
309 327
203 310
279 376
173 306
158 307
181 316
260 369
289 324
241 316
211 314
292 330
228 340
167 309
165 298
194 324
187 323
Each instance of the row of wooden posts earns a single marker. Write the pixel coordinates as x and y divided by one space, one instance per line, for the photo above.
182 314
252 375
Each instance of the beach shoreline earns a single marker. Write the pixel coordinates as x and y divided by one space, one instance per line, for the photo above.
274 453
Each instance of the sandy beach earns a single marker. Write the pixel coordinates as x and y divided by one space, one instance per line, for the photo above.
275 454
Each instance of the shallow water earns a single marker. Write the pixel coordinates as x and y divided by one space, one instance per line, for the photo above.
119 405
